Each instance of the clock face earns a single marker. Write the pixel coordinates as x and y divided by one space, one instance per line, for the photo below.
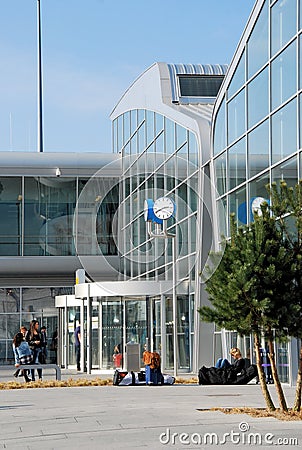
256 205
164 208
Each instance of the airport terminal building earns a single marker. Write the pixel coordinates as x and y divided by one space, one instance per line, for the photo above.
208 137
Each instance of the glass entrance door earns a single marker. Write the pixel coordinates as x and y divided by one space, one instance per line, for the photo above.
136 321
112 333
73 319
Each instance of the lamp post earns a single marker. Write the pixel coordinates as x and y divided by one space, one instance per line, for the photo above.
39 77
158 213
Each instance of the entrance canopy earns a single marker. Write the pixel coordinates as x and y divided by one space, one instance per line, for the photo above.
127 288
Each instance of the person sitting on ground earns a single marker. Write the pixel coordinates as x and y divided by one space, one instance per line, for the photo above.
22 353
239 362
222 362
223 375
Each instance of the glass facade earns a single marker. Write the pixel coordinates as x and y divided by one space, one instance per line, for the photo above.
158 164
257 133
262 140
39 216
18 306
160 158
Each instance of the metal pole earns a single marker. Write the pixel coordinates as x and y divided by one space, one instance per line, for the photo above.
89 329
40 99
83 334
66 340
174 302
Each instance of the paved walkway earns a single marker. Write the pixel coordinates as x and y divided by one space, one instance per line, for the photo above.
155 417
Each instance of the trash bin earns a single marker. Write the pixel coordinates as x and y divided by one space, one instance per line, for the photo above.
132 357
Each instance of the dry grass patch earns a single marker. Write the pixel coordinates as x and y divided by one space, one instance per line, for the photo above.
78 382
186 380
261 412
49 383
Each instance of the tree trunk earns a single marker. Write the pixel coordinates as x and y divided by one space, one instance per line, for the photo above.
297 404
267 396
280 393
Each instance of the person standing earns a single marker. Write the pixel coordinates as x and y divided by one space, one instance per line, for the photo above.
43 354
77 343
34 341
117 356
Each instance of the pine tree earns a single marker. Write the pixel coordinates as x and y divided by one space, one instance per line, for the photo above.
250 288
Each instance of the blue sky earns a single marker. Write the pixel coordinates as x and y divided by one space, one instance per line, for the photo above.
92 51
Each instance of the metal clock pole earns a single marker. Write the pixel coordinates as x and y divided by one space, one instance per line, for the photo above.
174 303
164 209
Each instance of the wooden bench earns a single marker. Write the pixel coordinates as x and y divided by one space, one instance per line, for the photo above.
43 366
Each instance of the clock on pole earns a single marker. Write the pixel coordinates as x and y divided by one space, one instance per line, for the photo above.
164 208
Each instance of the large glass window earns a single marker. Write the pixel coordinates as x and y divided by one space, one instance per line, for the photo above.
181 137
18 307
120 137
127 131
133 120
287 171
284 131
300 59
199 85
106 234
150 130
220 173
300 121
114 137
238 78
170 136
258 187
283 23
141 135
48 216
258 98
219 130
284 76
159 128
236 116
258 149
237 163
237 205
11 216
258 43
193 152
222 217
